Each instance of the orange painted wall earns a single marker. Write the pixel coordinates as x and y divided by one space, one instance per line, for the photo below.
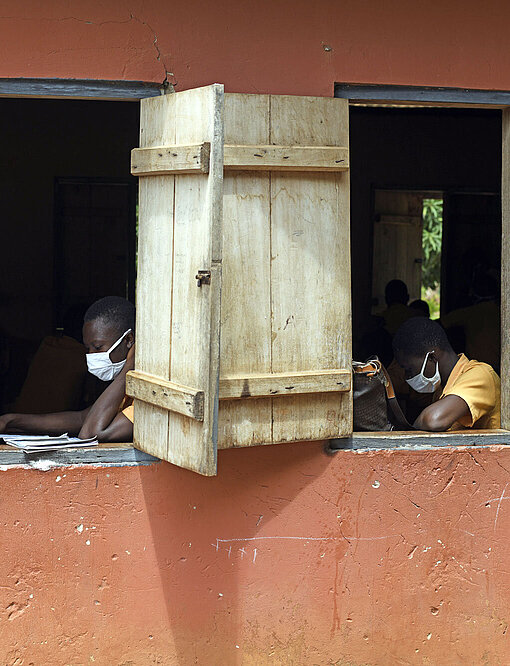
405 555
267 46
287 557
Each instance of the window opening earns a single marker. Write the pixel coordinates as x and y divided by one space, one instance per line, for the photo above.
422 215
69 237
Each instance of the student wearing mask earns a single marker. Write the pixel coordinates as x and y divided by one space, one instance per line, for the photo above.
470 390
108 336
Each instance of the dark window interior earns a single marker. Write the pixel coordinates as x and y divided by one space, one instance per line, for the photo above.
68 220
456 152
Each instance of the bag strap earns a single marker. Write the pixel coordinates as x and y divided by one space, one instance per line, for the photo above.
400 420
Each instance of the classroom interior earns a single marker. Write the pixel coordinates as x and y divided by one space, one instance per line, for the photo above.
69 221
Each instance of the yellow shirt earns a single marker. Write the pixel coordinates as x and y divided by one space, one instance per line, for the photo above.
481 325
127 408
480 387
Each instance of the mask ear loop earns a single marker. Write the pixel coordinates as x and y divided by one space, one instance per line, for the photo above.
425 363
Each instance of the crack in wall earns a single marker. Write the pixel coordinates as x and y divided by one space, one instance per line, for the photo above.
167 85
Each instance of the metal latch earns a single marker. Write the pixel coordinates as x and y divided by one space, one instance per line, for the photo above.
203 277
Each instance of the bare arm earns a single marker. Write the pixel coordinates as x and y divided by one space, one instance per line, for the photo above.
103 418
441 415
43 424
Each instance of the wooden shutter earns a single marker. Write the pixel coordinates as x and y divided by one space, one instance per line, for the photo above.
285 310
284 318
175 382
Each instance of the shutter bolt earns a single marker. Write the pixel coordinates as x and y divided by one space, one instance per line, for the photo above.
203 277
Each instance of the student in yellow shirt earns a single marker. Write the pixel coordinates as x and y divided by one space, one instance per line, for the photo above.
108 336
470 395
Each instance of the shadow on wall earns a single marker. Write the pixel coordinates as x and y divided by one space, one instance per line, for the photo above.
217 555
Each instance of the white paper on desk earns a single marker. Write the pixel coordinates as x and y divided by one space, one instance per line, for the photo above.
25 437
41 444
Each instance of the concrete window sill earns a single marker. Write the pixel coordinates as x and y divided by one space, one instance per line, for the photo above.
419 440
104 455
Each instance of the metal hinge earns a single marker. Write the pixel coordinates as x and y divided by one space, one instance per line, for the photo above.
203 277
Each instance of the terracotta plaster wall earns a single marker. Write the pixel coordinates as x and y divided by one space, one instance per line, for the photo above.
287 557
288 46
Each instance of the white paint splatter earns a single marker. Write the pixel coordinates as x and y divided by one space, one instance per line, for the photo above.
376 484
499 505
254 555
79 529
59 478
87 542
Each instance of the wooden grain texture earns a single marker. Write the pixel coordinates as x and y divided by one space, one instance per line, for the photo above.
505 273
196 310
286 271
172 397
246 289
168 160
178 322
256 386
310 269
286 158
155 258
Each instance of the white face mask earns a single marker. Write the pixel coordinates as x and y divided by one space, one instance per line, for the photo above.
101 365
422 384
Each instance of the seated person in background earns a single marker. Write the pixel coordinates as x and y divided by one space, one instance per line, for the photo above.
397 312
470 396
57 374
421 307
108 336
480 322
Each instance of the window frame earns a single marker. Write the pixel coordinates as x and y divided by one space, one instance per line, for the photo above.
435 97
104 455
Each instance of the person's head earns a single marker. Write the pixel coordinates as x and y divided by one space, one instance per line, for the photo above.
419 346
421 307
396 292
109 322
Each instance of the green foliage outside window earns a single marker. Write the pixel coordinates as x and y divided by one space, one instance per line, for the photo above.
432 240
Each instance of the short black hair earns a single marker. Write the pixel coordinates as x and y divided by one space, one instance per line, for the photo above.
420 306
396 292
113 310
419 335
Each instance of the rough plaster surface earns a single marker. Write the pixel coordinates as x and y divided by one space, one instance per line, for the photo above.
287 557
289 46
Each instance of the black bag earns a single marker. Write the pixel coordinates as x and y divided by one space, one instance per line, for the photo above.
375 406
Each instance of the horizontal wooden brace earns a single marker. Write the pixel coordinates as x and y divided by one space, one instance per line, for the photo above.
165 394
286 158
168 160
273 385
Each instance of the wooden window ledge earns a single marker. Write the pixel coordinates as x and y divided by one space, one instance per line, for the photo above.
420 439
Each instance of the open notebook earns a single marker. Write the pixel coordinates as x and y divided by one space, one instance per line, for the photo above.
43 443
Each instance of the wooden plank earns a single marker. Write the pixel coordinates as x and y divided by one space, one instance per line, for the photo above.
168 395
265 385
194 348
155 257
286 158
310 236
246 288
167 160
419 439
505 273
